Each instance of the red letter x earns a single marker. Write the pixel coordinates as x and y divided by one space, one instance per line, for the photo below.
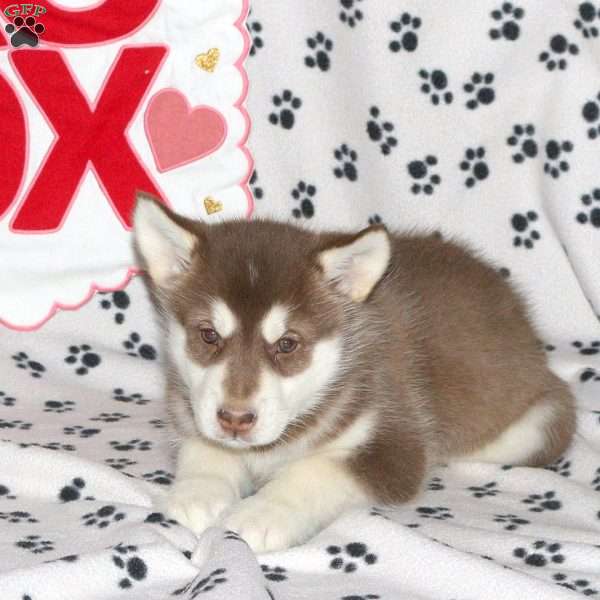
85 134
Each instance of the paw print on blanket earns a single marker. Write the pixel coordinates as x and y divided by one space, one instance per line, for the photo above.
507 19
35 544
6 400
540 553
436 484
435 84
113 417
157 518
488 489
83 357
421 171
591 115
351 14
589 374
588 16
286 104
135 348
523 141
526 235
375 220
592 203
56 406
16 424
405 28
380 131
562 466
556 55
34 368
257 191
120 395
18 516
80 431
255 29
135 444
201 586
322 46
350 556
365 597
511 522
474 163
479 89
274 573
556 162
346 159
119 463
24 31
590 349
542 502
583 586
118 300
73 490
103 517
159 476
440 513
5 493
125 558
304 194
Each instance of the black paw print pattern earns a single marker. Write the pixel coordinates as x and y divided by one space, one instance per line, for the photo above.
134 347
562 466
522 139
274 573
255 29
125 559
405 28
350 556
158 518
543 501
73 490
257 191
350 13
591 216
375 220
57 406
439 513
5 493
596 481
591 115
587 349
16 424
420 170
507 19
589 374
129 445
540 554
556 56
35 544
113 417
511 522
203 585
436 484
362 597
119 463
556 162
18 516
120 301
24 32
80 431
232 535
159 476
588 15
304 194
83 357
322 47
526 235
583 586
120 395
488 489
22 361
479 89
287 104
435 84
346 159
103 517
474 163
380 131
6 400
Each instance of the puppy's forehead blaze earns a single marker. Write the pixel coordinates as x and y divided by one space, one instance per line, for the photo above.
274 323
223 319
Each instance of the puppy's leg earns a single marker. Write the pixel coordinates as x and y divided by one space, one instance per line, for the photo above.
208 480
304 497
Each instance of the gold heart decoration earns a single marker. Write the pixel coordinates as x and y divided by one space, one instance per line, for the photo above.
212 206
207 61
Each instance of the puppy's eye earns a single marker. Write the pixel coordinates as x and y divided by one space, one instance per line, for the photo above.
209 336
286 345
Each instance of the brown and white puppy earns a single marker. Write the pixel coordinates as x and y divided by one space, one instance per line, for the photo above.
311 373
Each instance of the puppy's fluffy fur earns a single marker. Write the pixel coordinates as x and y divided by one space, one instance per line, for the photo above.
310 373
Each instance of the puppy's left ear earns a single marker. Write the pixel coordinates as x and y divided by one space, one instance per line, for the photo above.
355 263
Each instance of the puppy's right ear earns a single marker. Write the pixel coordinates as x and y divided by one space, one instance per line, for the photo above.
160 238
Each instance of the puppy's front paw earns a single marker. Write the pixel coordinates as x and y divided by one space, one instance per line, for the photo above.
268 525
198 503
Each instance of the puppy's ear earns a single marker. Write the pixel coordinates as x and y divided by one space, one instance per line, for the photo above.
161 239
355 263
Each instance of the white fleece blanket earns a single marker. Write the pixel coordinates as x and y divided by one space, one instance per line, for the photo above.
356 137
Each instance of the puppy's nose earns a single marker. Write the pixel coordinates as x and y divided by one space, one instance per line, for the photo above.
236 421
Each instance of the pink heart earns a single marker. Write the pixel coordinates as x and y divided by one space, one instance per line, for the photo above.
179 134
